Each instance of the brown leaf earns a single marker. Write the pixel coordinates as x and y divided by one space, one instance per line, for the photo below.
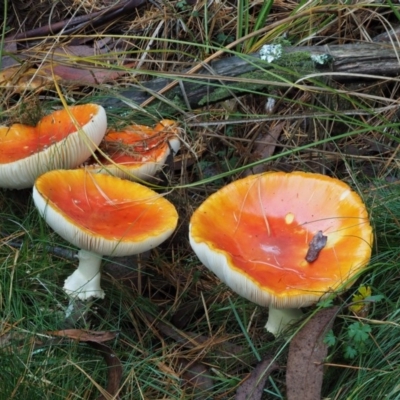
307 352
62 52
9 47
85 336
265 145
197 375
87 75
114 370
252 388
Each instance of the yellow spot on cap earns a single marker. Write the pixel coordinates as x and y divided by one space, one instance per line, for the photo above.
304 264
344 195
289 218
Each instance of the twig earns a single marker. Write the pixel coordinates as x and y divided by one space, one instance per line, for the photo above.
57 251
95 19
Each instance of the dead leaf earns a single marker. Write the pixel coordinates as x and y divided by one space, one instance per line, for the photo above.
9 49
85 336
196 375
185 313
307 352
265 145
114 369
87 75
252 388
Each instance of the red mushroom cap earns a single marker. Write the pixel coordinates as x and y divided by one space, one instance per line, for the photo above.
104 214
254 235
27 152
137 151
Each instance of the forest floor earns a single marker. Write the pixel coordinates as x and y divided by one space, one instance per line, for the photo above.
167 327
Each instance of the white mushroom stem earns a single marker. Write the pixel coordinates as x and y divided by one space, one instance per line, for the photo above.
280 319
84 283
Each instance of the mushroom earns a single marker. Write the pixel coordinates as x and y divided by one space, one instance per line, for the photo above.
255 234
102 215
62 139
20 79
137 152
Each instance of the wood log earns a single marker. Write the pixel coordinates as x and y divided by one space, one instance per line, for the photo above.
350 62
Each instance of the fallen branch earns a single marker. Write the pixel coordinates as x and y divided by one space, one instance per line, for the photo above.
341 62
72 25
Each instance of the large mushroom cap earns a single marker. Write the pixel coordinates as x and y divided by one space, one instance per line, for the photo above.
63 139
138 151
104 214
254 235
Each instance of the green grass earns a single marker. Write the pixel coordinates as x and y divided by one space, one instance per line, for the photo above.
372 373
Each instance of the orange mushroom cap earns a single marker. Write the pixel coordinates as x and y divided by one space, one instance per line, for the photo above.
104 214
21 79
254 235
27 152
137 151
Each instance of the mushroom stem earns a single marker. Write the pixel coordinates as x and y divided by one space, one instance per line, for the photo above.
84 282
280 319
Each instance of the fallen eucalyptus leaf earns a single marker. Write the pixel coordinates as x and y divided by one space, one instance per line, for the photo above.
196 375
84 335
114 374
252 388
307 352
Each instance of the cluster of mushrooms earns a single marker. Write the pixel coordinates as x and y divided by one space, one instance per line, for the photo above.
281 240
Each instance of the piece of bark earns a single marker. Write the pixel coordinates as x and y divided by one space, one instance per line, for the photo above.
317 243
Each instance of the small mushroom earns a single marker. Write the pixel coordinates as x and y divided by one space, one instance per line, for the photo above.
255 234
137 152
102 215
62 139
